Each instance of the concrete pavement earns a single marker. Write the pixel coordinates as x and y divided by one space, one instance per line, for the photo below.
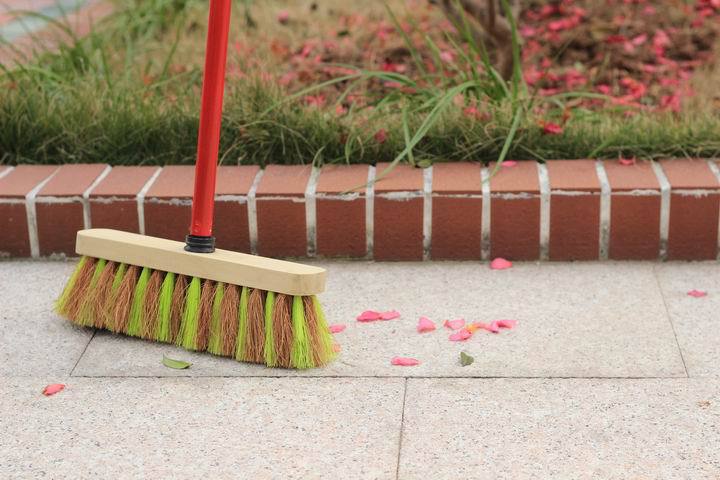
612 372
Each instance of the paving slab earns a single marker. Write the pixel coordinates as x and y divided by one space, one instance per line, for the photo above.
34 340
561 428
696 320
575 320
289 428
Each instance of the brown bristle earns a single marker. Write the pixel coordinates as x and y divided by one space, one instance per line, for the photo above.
150 309
178 302
255 342
316 345
229 319
80 290
282 329
101 294
120 316
205 314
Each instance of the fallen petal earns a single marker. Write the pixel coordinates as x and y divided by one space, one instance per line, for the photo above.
509 163
491 327
368 316
336 347
389 315
500 264
425 325
337 328
506 323
404 361
454 324
460 335
53 389
697 293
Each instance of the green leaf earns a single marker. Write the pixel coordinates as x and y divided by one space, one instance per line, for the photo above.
466 359
176 364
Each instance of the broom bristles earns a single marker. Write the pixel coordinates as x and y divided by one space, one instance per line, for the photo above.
229 320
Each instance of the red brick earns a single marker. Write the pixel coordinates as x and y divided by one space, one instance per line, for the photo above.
58 222
13 214
515 222
634 211
456 217
280 205
340 217
168 205
113 201
398 222
574 210
693 233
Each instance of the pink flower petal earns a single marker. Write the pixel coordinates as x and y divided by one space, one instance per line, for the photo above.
626 161
53 389
425 325
509 163
697 293
460 335
454 324
368 316
389 315
506 323
491 327
500 264
337 328
404 361
550 128
283 16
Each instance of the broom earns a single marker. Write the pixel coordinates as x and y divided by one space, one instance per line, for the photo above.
251 308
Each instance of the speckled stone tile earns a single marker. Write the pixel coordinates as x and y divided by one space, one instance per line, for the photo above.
189 428
561 428
575 320
696 320
34 340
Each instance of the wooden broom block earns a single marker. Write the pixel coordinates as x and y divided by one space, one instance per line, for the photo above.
222 265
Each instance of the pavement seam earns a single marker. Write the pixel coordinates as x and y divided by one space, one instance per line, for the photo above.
82 354
402 430
669 317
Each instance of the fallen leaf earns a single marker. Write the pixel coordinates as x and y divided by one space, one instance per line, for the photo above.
53 388
466 359
389 315
368 316
337 328
500 264
506 323
425 325
460 335
454 324
404 361
176 364
697 293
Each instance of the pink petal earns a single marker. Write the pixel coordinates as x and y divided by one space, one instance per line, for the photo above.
336 347
53 389
460 335
492 327
404 361
626 161
337 328
509 163
389 315
425 325
500 264
283 16
368 316
454 324
551 128
506 323
697 293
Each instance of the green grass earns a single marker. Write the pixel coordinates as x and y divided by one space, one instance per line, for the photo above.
115 97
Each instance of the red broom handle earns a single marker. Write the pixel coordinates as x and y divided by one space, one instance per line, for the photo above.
210 118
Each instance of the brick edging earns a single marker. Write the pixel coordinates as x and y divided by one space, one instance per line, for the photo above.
563 210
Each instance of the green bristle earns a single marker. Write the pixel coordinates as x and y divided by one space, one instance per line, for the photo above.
242 325
215 341
85 316
119 274
162 332
187 337
61 303
138 301
301 355
326 338
270 354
